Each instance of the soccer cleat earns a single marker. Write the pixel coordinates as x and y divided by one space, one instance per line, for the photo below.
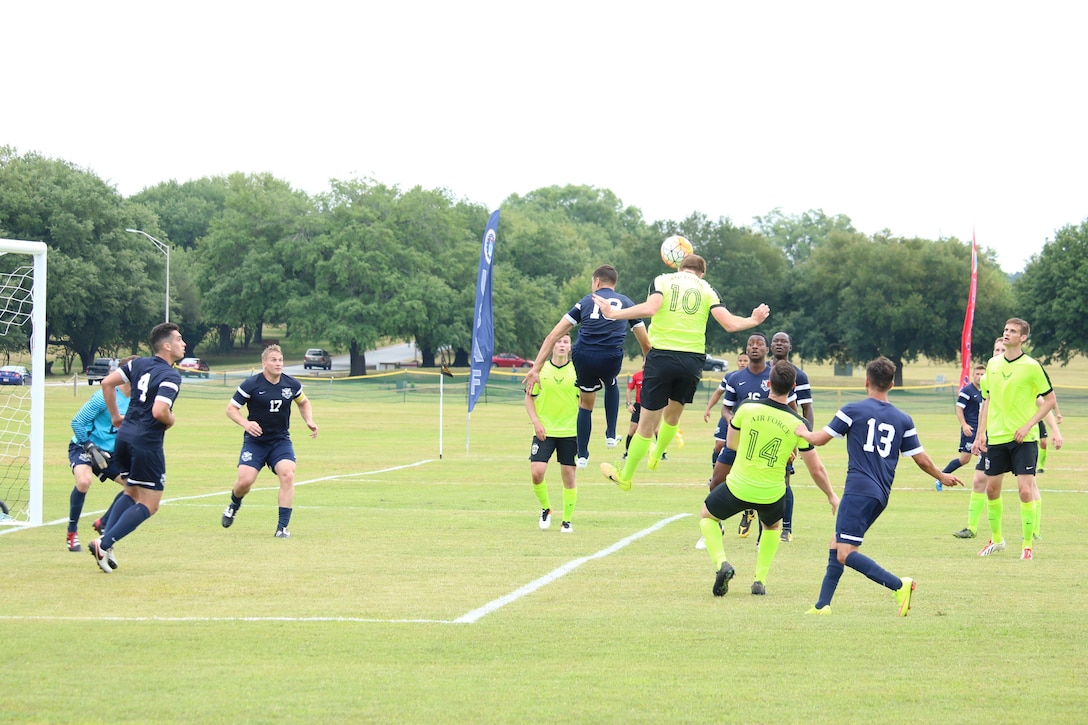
73 542
282 533
992 548
1026 554
545 518
99 525
228 516
95 547
611 442
1040 471
110 558
652 462
678 439
745 526
701 544
581 461
759 588
825 609
1036 536
937 485
786 536
612 474
566 528
903 595
721 579
964 533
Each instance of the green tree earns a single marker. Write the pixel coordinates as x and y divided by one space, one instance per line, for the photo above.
1051 295
104 285
185 211
900 298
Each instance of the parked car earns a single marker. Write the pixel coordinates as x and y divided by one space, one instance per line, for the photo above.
100 368
14 375
193 367
315 357
508 360
713 363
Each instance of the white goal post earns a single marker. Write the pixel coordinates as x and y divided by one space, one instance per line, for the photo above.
22 414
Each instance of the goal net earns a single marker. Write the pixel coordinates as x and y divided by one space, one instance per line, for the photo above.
22 400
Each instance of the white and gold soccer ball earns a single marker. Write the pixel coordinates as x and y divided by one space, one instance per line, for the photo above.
674 249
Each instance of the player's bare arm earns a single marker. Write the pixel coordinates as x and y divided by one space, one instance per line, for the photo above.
642 309
162 412
819 476
734 323
814 437
307 412
249 426
561 328
926 464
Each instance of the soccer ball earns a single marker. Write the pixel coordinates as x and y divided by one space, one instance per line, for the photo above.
674 249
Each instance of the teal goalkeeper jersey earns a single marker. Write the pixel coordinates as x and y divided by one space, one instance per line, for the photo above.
556 400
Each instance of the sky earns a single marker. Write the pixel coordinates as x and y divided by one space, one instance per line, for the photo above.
929 119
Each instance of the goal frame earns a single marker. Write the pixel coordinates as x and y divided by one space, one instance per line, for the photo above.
38 343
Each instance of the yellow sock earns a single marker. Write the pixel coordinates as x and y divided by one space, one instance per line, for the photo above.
974 510
570 497
768 547
541 491
664 438
712 536
1038 530
1027 521
994 509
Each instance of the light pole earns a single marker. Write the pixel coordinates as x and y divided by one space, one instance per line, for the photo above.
165 249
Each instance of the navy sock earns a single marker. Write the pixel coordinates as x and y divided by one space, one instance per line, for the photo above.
133 517
121 504
285 517
585 429
235 501
831 579
611 408
75 508
109 511
861 563
787 515
952 466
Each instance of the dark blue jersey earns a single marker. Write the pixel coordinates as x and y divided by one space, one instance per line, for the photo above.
269 403
743 384
970 399
597 332
152 379
877 433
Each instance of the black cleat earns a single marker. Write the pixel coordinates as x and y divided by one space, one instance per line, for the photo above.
228 517
758 588
721 579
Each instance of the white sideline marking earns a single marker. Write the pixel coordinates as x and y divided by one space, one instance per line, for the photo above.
469 618
570 566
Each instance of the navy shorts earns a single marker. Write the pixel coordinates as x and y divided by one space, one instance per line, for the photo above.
145 467
722 430
79 457
257 453
670 375
966 442
1017 458
856 515
565 449
722 504
595 369
727 456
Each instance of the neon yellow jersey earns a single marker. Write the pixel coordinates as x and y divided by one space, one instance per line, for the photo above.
680 322
763 449
556 400
1011 388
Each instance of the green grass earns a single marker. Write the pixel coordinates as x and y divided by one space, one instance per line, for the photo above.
353 619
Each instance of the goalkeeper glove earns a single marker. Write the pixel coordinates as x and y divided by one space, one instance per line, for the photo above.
99 458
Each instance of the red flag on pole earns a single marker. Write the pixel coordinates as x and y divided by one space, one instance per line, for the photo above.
969 317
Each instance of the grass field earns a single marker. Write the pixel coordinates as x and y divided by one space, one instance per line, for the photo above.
419 589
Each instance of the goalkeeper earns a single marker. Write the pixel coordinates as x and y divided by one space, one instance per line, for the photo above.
90 454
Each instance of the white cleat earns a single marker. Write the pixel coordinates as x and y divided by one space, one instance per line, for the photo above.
581 462
701 544
992 548
611 442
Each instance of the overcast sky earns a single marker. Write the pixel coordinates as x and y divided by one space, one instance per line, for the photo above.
929 119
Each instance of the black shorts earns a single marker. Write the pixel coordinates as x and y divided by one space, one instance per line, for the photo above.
594 369
722 504
670 375
635 411
565 449
1017 458
1042 430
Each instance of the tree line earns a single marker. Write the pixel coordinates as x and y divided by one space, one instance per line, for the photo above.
365 262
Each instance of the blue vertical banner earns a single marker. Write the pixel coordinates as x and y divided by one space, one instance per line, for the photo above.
483 323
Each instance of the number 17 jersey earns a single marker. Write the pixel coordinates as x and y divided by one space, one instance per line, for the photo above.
269 403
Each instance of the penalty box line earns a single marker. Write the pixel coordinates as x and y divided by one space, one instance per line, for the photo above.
470 618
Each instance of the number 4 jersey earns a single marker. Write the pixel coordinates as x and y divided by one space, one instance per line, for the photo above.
153 380
877 433
764 445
